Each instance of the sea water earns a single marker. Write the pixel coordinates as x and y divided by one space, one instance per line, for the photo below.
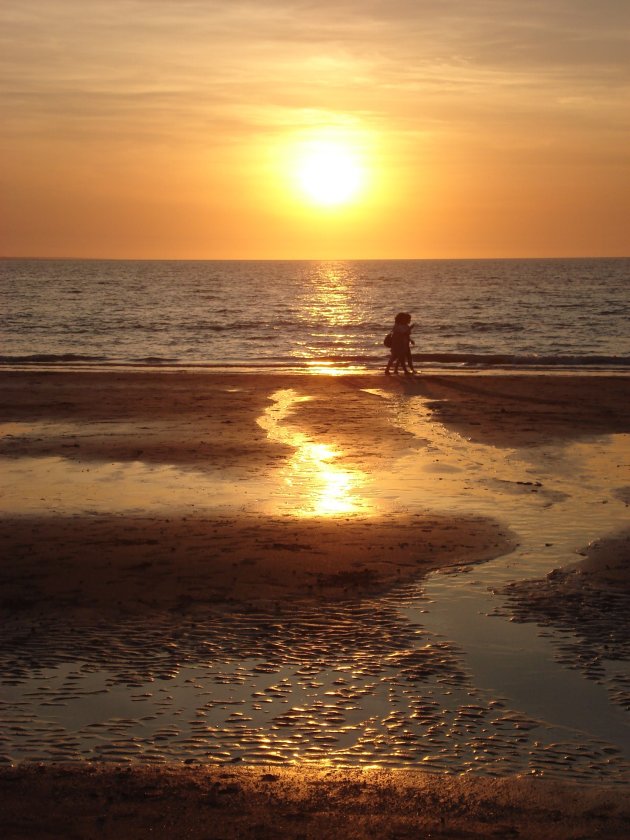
299 314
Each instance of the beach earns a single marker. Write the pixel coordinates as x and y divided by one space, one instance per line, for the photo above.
256 581
210 422
299 802
159 500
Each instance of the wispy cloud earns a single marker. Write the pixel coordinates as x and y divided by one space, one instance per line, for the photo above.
146 60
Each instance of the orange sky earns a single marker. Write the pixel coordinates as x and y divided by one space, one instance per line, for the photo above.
167 128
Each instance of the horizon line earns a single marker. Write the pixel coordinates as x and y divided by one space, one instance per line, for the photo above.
313 259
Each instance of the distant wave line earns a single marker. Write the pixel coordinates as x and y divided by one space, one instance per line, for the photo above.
447 360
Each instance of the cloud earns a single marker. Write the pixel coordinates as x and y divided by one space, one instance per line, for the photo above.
179 65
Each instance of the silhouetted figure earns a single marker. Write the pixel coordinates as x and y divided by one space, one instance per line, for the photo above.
400 351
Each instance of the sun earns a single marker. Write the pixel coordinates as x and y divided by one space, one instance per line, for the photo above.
329 172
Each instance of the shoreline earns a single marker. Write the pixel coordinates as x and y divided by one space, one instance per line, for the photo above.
374 367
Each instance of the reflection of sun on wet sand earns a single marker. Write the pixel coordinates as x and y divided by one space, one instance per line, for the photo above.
314 484
228 486
263 490
247 522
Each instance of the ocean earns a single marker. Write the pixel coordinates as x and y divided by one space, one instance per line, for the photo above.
303 315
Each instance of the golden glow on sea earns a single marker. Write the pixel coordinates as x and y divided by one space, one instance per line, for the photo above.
331 298
330 369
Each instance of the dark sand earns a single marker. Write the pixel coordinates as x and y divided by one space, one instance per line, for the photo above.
147 563
140 563
198 804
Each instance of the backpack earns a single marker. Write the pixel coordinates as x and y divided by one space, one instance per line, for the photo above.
387 341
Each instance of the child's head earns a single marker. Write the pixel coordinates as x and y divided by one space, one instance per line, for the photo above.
402 318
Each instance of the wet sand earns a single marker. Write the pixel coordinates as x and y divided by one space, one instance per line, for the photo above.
185 554
119 565
85 565
180 557
591 600
298 802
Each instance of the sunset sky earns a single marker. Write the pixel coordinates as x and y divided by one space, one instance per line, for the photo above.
204 129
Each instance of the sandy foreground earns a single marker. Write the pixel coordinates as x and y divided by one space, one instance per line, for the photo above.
57 802
176 559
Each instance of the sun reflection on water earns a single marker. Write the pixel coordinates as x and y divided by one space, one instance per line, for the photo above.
314 484
330 369
332 308
331 295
